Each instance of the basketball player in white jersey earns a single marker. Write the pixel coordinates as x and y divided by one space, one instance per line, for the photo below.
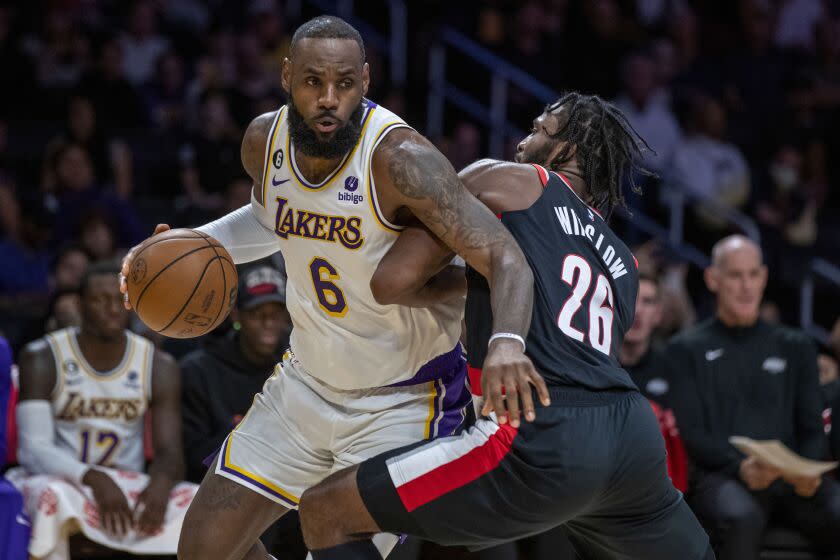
335 177
83 396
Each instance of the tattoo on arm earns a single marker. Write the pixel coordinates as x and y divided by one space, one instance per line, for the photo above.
422 174
428 185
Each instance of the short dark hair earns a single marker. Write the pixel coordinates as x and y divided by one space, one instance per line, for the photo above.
57 152
98 268
327 27
57 295
651 276
65 249
607 147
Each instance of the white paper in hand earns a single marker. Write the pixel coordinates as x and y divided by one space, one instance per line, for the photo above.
776 454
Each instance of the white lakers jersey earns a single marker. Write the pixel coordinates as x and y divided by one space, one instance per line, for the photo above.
332 236
99 415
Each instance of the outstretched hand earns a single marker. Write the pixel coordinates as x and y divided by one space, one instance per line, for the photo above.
126 264
506 380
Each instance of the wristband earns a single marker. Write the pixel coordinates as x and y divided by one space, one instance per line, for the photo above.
507 335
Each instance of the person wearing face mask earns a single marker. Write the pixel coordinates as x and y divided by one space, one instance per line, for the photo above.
789 209
735 374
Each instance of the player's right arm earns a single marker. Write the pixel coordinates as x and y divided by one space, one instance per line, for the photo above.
415 270
240 232
420 179
37 451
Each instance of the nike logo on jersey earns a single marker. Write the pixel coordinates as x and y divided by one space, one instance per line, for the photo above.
657 386
275 182
347 230
22 520
774 365
712 355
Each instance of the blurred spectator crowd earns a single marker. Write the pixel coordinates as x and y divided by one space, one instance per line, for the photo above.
115 116
120 115
739 101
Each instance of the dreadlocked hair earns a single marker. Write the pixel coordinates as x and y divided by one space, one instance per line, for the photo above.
605 144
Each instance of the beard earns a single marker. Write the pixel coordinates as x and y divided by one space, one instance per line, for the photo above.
307 142
540 155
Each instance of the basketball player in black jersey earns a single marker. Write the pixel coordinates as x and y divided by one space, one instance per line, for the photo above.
593 460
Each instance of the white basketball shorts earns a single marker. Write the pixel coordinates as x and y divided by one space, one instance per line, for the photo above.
300 430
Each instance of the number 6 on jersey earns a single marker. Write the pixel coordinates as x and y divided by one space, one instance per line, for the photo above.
330 297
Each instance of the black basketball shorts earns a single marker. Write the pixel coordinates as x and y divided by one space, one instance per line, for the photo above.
593 462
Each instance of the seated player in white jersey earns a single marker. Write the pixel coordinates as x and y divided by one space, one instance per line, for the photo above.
335 177
84 393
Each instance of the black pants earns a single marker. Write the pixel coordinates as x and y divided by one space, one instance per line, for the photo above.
592 462
737 517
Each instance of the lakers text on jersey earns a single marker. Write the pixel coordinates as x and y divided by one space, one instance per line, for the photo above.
332 236
360 378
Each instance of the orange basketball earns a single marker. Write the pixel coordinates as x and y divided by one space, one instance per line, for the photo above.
182 283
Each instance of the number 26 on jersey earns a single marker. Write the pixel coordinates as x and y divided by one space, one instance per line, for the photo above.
578 274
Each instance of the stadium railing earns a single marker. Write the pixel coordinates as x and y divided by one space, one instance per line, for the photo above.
822 270
502 74
500 127
677 198
494 115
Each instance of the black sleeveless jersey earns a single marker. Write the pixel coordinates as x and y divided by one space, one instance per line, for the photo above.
585 285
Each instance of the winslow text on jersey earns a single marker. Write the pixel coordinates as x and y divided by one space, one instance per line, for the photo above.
573 225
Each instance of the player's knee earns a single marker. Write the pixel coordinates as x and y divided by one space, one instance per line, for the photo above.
191 546
320 529
196 541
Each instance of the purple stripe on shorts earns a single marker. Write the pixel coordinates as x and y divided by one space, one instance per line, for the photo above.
433 423
208 461
439 367
256 483
452 396
456 399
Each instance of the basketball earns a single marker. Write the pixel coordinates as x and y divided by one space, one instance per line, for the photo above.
182 283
